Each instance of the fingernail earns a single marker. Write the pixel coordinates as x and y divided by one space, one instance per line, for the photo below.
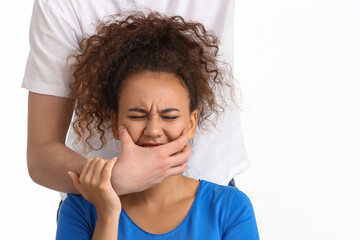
69 172
121 129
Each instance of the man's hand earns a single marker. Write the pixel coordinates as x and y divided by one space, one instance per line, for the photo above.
139 168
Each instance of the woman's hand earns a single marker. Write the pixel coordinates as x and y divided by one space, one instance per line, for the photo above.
95 186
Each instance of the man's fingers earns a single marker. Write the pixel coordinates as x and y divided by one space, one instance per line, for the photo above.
177 145
180 158
176 170
124 136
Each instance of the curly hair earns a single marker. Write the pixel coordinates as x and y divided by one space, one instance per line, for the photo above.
139 42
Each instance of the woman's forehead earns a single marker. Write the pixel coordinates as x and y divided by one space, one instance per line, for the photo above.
157 91
153 78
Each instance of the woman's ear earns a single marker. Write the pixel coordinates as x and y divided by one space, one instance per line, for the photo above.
193 121
114 125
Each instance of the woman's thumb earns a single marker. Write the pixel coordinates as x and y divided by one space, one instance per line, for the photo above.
75 180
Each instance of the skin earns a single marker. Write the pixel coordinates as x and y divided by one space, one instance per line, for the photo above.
142 100
153 108
49 159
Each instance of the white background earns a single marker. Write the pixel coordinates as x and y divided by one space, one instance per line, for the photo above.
298 62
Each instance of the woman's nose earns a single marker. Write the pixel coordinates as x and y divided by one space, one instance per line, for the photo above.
153 127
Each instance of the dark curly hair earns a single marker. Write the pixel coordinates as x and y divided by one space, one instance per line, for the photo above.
141 42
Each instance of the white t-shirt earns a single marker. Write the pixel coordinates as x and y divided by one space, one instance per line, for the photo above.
56 29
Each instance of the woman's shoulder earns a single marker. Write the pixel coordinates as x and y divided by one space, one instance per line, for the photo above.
77 214
77 203
229 199
222 191
232 207
75 198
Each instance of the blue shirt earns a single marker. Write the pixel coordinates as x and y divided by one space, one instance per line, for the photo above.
218 212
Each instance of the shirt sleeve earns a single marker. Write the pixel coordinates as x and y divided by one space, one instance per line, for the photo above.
54 35
241 224
74 221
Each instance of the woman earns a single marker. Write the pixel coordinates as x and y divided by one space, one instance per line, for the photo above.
151 79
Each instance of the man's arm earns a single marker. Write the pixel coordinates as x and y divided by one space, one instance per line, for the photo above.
48 158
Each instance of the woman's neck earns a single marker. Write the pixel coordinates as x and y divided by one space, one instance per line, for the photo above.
169 191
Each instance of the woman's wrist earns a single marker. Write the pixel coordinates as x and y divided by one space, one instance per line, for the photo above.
109 215
106 226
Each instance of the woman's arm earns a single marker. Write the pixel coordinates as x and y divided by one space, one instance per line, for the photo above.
95 186
106 228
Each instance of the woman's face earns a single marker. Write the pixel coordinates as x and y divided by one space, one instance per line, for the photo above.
154 108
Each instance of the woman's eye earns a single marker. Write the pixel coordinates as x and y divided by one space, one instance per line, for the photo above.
174 117
141 117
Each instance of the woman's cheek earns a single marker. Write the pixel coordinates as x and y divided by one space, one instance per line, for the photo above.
134 128
135 132
173 130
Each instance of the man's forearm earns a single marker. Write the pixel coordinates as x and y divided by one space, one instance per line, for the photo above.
49 163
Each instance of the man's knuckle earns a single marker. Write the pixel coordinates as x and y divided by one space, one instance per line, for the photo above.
87 180
102 186
160 178
164 167
182 167
93 182
162 154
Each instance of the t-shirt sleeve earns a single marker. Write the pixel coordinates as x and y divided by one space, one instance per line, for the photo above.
54 35
241 223
74 221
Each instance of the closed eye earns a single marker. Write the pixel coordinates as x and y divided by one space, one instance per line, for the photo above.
174 117
165 117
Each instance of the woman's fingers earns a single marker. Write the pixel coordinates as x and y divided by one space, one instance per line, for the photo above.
85 169
75 180
95 186
95 170
107 171
99 165
90 172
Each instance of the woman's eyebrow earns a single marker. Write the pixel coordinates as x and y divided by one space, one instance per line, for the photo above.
166 110
137 110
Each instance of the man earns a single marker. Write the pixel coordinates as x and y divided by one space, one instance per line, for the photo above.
56 31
